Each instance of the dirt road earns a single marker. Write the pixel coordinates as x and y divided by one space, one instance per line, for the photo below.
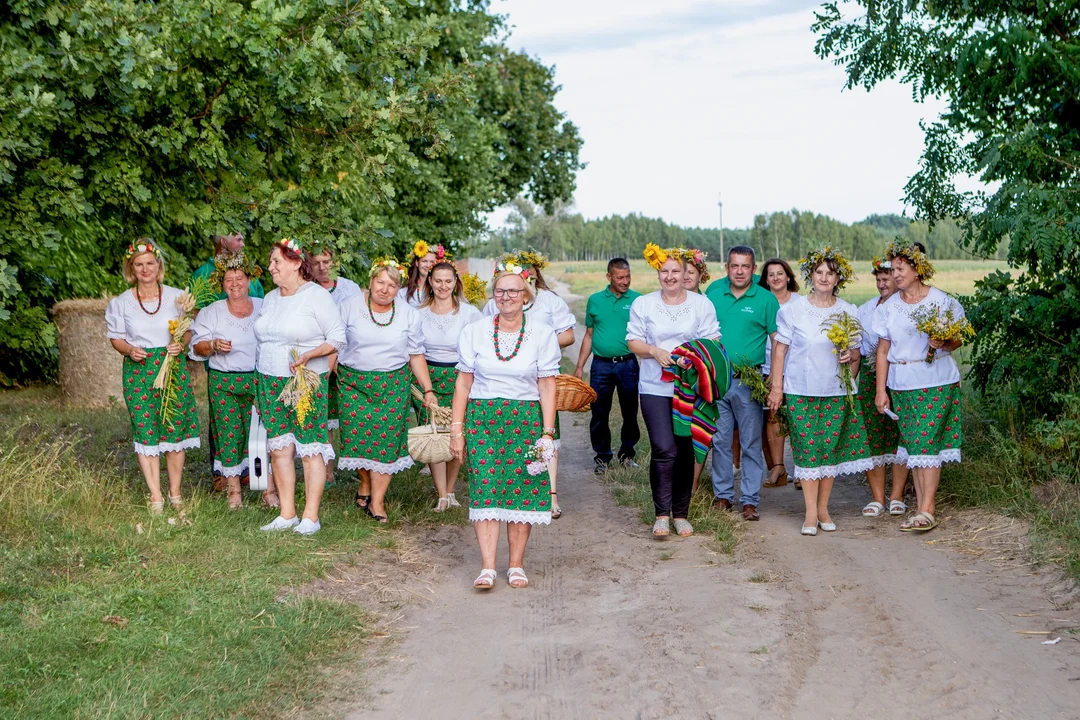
866 622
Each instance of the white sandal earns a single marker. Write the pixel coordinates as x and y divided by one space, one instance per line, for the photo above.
897 507
873 510
810 531
513 574
485 580
661 528
451 501
683 527
442 505
176 501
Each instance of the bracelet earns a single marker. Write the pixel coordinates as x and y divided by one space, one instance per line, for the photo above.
455 437
456 423
429 390
548 431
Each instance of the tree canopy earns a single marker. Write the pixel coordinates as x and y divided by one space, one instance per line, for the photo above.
1009 71
363 123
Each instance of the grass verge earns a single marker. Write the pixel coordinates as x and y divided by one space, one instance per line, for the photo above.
107 611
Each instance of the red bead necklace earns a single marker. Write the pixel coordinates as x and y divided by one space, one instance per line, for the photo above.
159 294
517 345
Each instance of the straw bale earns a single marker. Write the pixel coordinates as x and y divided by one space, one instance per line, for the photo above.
90 370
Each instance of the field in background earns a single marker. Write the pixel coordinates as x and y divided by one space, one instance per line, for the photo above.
953 276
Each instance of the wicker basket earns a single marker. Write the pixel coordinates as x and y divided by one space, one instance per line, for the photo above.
572 394
428 445
441 414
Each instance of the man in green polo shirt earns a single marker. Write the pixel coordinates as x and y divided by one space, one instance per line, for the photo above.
747 315
614 367
231 243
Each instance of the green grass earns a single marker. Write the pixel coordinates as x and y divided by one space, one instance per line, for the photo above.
953 276
107 611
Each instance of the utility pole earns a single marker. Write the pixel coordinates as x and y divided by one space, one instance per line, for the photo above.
720 204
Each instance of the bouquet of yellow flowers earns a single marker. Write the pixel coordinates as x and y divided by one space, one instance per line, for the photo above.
299 390
844 332
474 290
167 378
941 324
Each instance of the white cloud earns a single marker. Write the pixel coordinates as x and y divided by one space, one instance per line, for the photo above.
679 100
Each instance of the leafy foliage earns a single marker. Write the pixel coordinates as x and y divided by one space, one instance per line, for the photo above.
1009 70
361 123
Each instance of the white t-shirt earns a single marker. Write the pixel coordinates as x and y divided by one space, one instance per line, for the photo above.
125 320
667 327
514 379
343 289
548 308
869 338
371 347
810 367
443 332
417 298
302 321
767 367
215 322
908 369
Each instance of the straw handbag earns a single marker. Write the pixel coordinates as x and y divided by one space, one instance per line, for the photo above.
572 394
429 444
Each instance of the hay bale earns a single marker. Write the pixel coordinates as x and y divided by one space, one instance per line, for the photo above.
90 369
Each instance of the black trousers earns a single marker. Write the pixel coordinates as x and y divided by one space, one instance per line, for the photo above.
671 470
607 378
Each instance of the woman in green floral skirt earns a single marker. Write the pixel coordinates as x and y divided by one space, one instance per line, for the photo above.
137 325
922 376
828 431
504 401
384 342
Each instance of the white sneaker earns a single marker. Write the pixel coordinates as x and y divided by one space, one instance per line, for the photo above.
307 527
280 523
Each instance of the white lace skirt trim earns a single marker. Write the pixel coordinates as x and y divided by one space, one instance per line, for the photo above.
531 517
302 449
333 424
845 468
886 459
402 463
155 450
232 471
927 461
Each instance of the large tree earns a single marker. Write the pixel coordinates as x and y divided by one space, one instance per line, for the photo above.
364 123
1009 71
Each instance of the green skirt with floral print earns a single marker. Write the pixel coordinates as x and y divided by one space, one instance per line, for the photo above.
231 396
374 419
931 430
882 433
333 401
498 435
150 435
442 382
282 428
828 439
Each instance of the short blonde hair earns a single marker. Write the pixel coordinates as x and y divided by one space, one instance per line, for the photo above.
394 275
128 269
530 293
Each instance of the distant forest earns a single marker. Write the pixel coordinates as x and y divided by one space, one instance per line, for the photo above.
563 235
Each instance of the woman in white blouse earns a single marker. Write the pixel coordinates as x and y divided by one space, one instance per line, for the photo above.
550 309
443 316
424 256
224 335
297 317
828 438
659 323
384 341
778 278
504 401
137 325
925 395
882 432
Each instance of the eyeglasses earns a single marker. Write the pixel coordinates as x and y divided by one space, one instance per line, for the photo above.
500 292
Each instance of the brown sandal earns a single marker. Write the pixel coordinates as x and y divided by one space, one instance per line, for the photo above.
781 481
236 499
270 499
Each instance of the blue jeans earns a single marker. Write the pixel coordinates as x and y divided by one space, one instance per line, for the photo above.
738 410
607 377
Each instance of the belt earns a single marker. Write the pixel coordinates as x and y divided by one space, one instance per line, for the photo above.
434 363
619 359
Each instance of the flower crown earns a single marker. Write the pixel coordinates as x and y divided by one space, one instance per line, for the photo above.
512 266
146 245
656 256
226 261
388 262
879 265
696 258
820 255
291 243
917 258
532 259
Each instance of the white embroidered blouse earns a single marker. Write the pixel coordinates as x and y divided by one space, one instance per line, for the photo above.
654 322
343 289
125 320
215 322
372 347
443 332
514 379
908 369
810 367
302 321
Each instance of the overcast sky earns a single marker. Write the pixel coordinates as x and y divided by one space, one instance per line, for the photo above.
678 100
